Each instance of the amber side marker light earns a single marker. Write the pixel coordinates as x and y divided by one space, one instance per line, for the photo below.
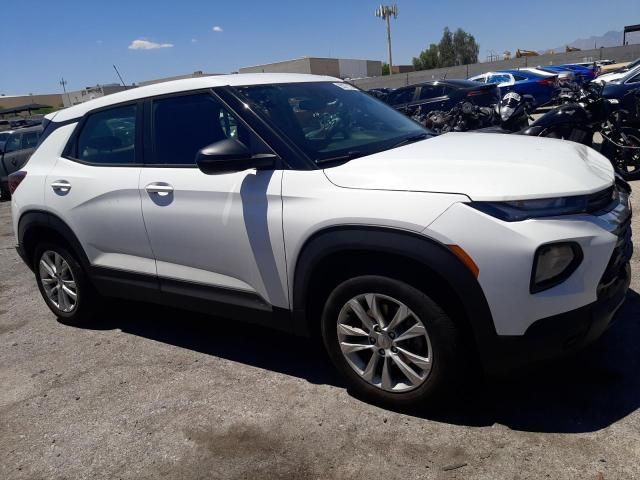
465 258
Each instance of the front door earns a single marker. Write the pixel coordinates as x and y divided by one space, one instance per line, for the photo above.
217 233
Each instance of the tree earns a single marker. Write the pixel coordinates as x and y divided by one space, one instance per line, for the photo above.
385 69
427 59
465 47
446 49
459 48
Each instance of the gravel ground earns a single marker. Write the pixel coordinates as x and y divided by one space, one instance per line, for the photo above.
158 393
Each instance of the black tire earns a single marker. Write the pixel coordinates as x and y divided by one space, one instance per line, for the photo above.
87 303
448 352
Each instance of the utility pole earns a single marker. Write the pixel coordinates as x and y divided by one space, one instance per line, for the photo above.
385 12
63 82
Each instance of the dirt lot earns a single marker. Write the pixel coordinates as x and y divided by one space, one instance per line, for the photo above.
157 393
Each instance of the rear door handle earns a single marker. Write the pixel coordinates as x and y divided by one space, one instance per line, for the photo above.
61 186
159 188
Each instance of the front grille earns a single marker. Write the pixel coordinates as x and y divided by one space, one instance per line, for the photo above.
619 258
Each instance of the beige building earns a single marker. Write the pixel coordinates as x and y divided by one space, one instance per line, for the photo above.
13 101
89 93
334 67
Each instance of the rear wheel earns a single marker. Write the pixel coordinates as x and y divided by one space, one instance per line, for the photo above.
391 342
64 285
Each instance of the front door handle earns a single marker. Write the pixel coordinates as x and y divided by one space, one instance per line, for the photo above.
159 188
61 186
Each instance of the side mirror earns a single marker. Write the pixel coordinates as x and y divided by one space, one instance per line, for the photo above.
230 155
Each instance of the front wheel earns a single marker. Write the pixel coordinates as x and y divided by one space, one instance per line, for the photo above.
391 342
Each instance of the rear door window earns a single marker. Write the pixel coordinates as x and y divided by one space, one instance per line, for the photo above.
431 91
108 137
399 97
499 78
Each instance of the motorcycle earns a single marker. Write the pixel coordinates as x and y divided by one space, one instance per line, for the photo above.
511 114
591 113
461 118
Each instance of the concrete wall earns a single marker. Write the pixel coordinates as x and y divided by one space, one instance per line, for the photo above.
620 54
299 65
51 99
333 67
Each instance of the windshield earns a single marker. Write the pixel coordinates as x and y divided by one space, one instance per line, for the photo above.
330 121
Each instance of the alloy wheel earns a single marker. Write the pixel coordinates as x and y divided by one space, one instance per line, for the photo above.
385 342
58 282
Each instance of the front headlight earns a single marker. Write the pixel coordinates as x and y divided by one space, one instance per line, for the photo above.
516 211
553 264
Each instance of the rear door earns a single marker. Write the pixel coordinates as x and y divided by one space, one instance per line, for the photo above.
12 154
430 97
93 187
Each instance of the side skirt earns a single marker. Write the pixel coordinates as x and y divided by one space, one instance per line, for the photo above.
215 301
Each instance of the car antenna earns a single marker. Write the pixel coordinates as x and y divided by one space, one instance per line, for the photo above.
119 76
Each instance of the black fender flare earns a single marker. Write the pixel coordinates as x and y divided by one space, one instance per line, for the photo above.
39 219
426 252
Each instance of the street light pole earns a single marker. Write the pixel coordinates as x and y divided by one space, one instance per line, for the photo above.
386 12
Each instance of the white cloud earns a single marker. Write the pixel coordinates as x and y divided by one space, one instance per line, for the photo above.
217 29
194 40
147 45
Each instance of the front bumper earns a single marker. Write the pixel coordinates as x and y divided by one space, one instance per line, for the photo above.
559 335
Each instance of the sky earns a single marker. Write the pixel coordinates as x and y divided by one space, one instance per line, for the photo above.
42 41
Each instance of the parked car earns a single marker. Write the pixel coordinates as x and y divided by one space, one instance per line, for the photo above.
566 78
620 88
305 204
621 67
441 95
15 150
542 88
583 73
610 77
3 138
379 93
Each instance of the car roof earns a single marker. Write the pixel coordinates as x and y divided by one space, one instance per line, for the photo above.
185 85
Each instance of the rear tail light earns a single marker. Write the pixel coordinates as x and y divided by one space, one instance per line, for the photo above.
15 179
548 81
474 93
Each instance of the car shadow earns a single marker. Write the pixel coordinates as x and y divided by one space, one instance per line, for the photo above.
584 393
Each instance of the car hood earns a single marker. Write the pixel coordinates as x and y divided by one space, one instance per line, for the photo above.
481 166
609 77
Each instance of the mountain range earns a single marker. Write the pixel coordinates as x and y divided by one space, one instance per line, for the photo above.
609 39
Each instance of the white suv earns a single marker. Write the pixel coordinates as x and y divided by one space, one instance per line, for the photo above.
303 203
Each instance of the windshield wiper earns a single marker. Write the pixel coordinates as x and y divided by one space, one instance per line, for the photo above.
411 139
341 158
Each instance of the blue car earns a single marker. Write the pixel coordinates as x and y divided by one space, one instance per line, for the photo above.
583 74
541 88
